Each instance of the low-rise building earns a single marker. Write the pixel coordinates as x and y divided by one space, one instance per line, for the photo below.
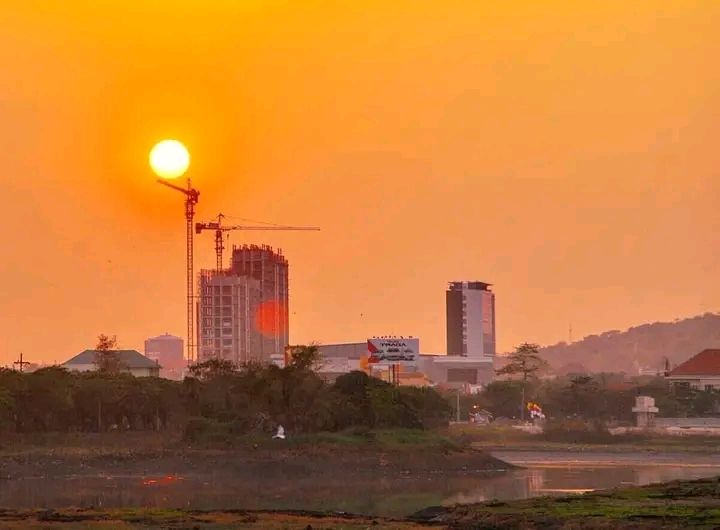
450 371
700 372
457 371
167 350
132 361
335 359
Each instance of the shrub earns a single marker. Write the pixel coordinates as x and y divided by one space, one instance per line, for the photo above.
206 430
576 431
580 431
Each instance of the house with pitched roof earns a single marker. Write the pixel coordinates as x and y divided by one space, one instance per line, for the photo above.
700 372
132 362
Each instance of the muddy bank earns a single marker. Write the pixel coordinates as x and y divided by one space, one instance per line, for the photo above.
251 463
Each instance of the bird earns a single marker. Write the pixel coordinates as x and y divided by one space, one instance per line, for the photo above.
280 434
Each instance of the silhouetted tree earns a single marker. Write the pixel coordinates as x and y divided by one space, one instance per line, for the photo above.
212 368
525 360
107 359
305 357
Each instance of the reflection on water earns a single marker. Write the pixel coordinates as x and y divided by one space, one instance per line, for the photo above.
370 494
525 483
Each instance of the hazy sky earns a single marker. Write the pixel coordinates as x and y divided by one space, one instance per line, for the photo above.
566 152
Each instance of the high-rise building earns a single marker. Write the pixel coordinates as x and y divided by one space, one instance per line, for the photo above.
270 269
243 311
226 317
470 319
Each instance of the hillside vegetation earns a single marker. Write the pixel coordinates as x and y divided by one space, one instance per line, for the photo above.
647 346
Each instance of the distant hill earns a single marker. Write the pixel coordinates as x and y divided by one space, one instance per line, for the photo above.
646 346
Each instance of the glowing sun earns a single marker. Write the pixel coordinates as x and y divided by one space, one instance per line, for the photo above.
169 159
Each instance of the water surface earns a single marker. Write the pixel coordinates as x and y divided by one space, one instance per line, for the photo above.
369 493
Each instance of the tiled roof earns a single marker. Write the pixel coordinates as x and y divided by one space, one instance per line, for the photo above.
707 362
130 358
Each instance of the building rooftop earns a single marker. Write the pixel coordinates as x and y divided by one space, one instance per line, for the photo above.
459 286
130 358
166 336
351 350
459 360
707 362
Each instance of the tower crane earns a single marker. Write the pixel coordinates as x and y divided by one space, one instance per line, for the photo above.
192 196
220 228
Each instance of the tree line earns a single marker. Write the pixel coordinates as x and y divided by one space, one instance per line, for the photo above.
217 397
602 397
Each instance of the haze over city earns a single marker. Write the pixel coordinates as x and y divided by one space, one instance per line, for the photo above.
565 155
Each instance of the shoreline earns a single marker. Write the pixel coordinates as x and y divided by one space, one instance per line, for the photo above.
651 447
677 504
599 459
251 463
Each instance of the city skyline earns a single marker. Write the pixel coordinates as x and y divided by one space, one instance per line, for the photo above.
565 155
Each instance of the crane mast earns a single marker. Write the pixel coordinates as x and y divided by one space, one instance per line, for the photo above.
220 229
192 196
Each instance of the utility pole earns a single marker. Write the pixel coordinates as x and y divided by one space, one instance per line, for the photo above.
20 363
457 406
395 374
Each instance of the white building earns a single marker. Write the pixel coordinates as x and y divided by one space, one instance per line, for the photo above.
456 371
700 372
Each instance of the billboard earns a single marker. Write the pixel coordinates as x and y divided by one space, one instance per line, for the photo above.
393 350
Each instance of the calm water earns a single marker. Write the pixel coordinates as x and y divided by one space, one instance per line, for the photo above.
378 494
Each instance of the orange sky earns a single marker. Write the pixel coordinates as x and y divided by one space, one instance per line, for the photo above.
566 152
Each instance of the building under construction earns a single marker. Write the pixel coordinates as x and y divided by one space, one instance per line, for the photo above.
243 310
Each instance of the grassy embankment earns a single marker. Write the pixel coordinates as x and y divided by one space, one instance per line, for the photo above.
492 438
680 504
148 443
178 519
388 452
456 438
